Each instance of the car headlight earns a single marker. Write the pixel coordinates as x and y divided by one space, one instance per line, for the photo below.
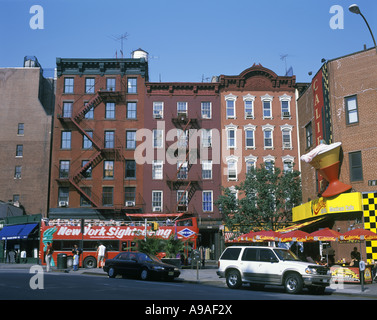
158 268
310 270
176 269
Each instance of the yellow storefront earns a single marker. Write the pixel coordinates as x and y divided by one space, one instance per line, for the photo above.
342 213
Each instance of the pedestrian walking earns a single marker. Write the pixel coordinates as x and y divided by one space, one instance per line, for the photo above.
49 252
101 251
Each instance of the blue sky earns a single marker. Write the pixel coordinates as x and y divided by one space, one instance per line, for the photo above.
187 40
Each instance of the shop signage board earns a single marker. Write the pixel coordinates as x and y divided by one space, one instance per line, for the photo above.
343 203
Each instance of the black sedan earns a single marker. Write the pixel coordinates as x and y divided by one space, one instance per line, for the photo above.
141 265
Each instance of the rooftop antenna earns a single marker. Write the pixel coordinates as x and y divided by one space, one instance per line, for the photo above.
284 58
120 38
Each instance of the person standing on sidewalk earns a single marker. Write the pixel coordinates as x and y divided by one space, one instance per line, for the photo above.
76 257
49 252
101 251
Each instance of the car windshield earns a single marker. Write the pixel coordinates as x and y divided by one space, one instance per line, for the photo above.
147 257
286 255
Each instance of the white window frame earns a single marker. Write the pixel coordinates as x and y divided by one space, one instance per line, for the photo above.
158 110
161 193
284 130
267 98
206 138
157 170
250 128
288 159
158 138
211 193
285 98
232 98
182 108
269 158
207 166
205 104
249 98
268 128
228 129
250 159
232 160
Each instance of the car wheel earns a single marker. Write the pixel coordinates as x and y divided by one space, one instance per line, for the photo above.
293 283
144 275
233 279
111 272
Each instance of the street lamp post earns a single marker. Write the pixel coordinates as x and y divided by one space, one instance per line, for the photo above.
354 8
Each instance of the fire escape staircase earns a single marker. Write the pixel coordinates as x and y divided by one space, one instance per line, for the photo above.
100 153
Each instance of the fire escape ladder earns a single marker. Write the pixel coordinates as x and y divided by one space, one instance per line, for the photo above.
98 147
94 102
90 198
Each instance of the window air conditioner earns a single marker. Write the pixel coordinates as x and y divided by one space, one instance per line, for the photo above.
130 203
156 209
249 115
158 115
286 114
63 203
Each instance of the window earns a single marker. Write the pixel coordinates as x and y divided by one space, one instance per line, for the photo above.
207 201
107 196
309 135
230 109
266 255
110 84
131 110
89 85
131 139
63 194
266 109
130 169
249 106
110 110
250 164
132 85
206 110
206 138
158 110
182 200
109 139
267 139
351 110
267 106
88 172
17 172
287 165
231 138
269 164
285 101
207 169
232 169
68 85
182 137
249 138
157 138
130 195
286 136
19 150
84 202
86 142
16 198
67 109
157 169
20 129
65 142
108 169
250 254
90 113
356 167
182 108
64 169
182 169
157 200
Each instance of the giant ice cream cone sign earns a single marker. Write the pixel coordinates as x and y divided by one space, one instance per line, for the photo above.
325 159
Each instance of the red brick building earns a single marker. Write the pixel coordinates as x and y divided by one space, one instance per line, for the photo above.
258 123
99 108
183 172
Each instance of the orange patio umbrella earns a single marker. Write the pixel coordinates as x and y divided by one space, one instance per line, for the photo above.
265 235
358 234
295 235
325 234
247 237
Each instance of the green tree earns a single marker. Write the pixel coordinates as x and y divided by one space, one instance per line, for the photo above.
266 197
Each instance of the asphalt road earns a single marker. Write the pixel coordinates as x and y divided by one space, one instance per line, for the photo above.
18 285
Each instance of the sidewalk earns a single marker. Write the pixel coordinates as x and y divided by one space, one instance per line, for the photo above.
208 276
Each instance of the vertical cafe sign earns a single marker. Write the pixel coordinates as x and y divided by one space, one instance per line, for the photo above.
322 114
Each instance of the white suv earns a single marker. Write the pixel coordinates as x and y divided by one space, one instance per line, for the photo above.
271 265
